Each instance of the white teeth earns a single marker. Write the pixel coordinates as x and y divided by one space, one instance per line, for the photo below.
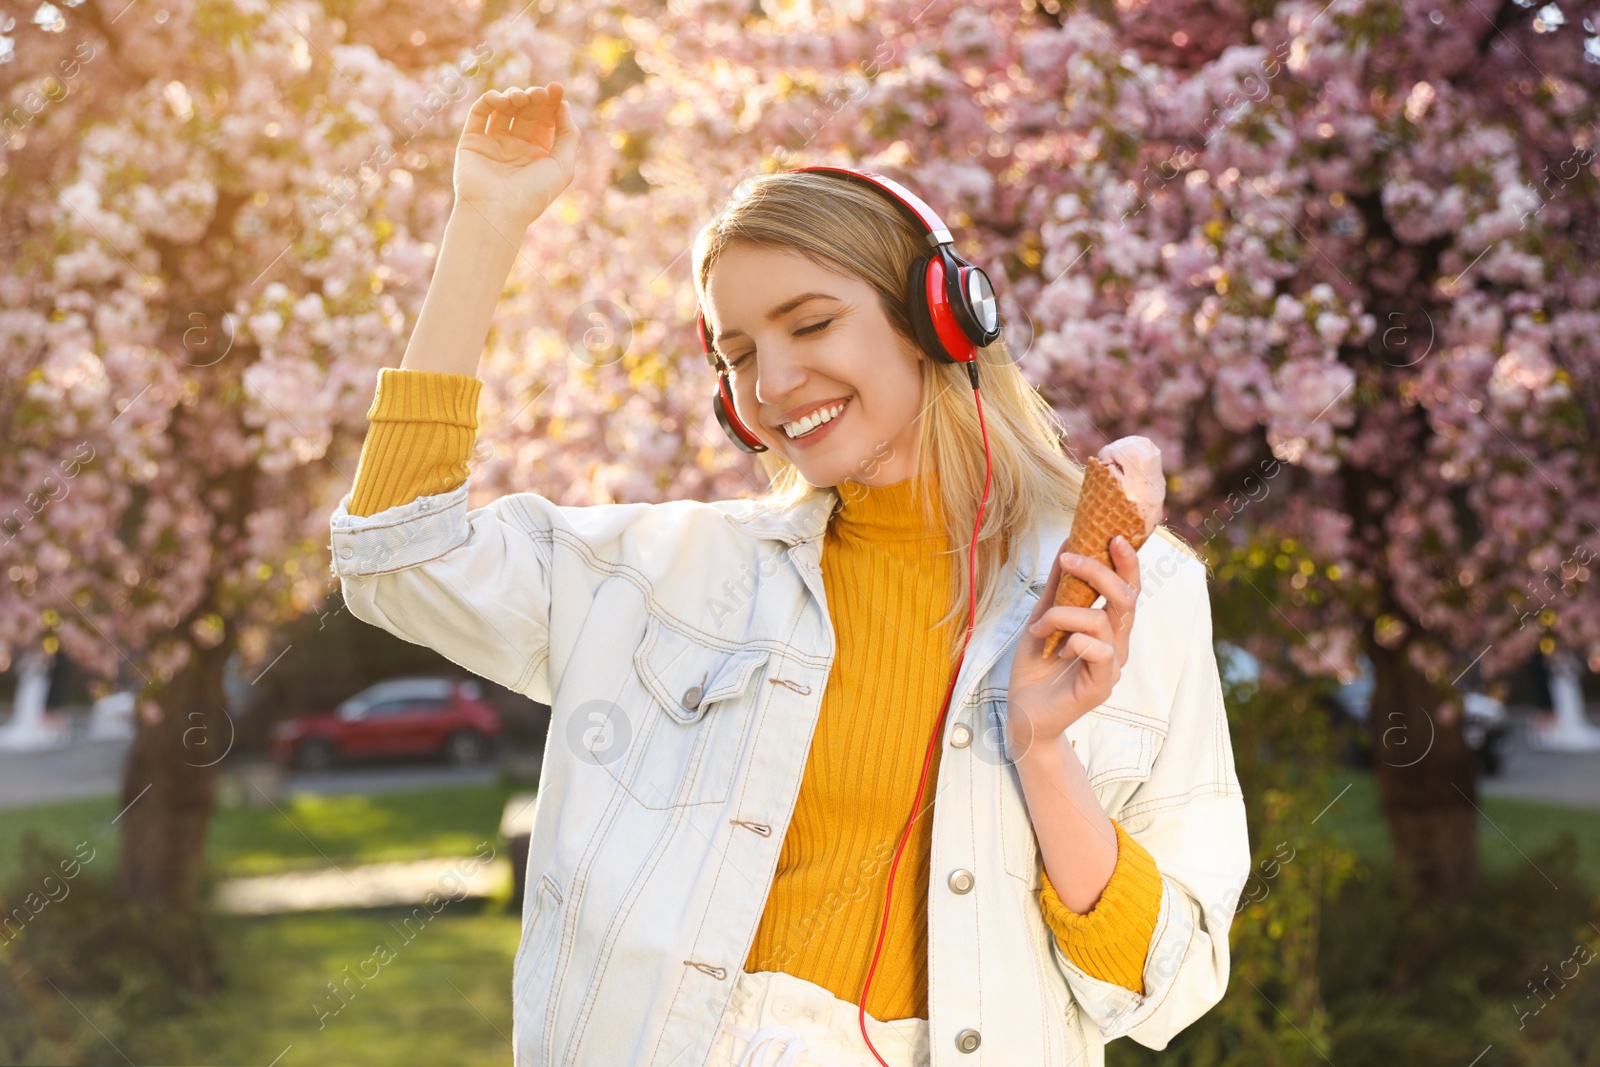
801 427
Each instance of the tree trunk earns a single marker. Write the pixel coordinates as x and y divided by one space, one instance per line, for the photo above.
1427 779
169 791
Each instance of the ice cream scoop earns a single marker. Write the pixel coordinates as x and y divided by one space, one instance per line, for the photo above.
1136 461
1123 493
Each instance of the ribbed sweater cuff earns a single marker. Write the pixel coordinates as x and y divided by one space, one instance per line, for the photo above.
422 426
1112 940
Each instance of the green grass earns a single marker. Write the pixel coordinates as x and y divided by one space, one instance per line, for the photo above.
307 831
1509 830
444 996
312 829
63 825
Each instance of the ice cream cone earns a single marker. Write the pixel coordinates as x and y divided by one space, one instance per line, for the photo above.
1104 511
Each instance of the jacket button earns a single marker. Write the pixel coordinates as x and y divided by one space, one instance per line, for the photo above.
691 697
961 882
961 735
968 1040
346 553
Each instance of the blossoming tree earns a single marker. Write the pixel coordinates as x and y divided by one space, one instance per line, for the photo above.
221 219
1329 258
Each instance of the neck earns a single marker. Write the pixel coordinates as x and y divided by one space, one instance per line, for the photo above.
892 512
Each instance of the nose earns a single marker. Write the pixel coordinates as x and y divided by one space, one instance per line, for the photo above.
777 377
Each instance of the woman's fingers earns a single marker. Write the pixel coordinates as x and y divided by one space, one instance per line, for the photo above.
1092 621
527 109
1097 670
564 148
538 118
518 108
1096 663
499 120
1089 649
488 110
1117 590
478 116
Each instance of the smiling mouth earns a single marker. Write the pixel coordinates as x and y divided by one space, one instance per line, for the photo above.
802 427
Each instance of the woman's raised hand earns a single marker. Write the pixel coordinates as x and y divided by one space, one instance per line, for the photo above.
517 153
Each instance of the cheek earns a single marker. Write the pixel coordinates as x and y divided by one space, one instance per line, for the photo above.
896 402
743 388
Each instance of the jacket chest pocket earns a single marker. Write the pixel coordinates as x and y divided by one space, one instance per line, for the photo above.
1117 752
700 701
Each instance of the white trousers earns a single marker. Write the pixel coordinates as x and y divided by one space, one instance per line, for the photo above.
776 1019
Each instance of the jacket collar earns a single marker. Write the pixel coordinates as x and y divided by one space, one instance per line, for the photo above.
1034 564
804 521
807 520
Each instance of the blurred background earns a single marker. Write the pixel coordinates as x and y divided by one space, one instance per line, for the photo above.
1336 259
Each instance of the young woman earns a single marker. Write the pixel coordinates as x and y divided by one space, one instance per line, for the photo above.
811 786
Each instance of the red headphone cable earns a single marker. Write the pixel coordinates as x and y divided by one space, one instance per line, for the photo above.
927 760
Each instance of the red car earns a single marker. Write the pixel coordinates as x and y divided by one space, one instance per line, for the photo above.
399 717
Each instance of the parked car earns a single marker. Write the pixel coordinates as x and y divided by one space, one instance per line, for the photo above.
401 717
1484 721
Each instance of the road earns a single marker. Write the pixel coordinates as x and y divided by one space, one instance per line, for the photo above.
1569 779
82 769
94 768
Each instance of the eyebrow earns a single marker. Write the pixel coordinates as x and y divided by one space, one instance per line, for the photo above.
776 313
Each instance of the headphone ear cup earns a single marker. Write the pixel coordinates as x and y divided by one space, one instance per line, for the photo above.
979 319
728 419
918 308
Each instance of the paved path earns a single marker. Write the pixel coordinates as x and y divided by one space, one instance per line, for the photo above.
1570 779
371 885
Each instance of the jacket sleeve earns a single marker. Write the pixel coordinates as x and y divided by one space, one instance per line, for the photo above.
410 557
1189 816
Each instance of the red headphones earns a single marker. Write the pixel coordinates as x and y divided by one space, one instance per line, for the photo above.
951 303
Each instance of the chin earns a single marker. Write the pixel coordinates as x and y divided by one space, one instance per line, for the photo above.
820 475
838 459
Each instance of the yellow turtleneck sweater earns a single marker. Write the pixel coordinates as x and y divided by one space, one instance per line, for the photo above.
886 574
887 578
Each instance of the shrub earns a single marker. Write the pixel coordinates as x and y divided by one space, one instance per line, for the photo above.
82 966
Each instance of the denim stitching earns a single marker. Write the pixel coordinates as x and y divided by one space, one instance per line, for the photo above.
759 717
1177 800
1183 957
676 815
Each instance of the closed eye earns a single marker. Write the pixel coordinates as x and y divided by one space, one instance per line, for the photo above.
815 328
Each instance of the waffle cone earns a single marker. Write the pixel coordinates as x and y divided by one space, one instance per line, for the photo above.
1104 511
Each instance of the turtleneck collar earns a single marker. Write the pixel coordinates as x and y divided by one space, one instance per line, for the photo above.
889 512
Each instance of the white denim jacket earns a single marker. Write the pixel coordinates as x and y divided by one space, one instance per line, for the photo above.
683 648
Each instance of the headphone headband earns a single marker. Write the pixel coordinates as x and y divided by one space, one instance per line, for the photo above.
914 206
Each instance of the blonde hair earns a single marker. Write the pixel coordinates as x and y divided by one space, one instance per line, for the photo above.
846 227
